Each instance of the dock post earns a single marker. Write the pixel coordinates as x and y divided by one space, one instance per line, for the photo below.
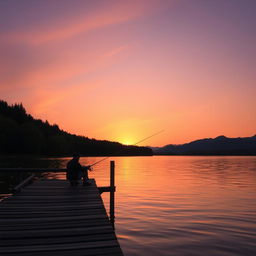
112 193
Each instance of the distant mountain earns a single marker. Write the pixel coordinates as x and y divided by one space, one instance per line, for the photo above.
20 133
220 145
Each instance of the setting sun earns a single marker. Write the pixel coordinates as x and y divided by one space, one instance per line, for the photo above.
126 139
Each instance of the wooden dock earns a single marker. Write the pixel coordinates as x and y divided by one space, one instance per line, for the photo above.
50 218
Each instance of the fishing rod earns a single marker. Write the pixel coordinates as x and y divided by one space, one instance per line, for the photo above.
103 159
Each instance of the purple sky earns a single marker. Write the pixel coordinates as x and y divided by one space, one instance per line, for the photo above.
120 70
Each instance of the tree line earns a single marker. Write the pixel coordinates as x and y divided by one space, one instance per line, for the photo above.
20 133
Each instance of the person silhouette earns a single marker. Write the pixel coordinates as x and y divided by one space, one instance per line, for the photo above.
75 171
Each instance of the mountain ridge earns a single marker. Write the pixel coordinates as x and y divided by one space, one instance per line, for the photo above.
220 145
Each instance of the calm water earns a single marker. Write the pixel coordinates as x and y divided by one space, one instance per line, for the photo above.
168 205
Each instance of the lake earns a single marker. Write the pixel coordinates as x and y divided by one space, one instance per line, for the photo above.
178 205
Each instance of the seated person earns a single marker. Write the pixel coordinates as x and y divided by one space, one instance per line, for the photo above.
75 171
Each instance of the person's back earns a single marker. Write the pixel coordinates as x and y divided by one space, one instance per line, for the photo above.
74 170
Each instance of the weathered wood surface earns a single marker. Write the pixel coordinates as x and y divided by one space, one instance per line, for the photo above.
49 218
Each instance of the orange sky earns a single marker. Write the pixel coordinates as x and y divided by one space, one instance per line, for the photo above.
123 70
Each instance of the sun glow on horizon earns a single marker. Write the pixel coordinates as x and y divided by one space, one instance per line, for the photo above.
127 141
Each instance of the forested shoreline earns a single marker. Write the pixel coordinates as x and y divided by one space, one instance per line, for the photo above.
20 133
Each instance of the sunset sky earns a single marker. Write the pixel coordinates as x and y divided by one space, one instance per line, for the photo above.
123 70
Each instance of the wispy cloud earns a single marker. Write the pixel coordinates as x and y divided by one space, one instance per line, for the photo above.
116 51
50 91
48 53
116 13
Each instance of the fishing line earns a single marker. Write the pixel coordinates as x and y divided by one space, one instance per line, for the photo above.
129 145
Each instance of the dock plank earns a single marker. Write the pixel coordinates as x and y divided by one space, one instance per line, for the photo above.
113 251
61 240
49 217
